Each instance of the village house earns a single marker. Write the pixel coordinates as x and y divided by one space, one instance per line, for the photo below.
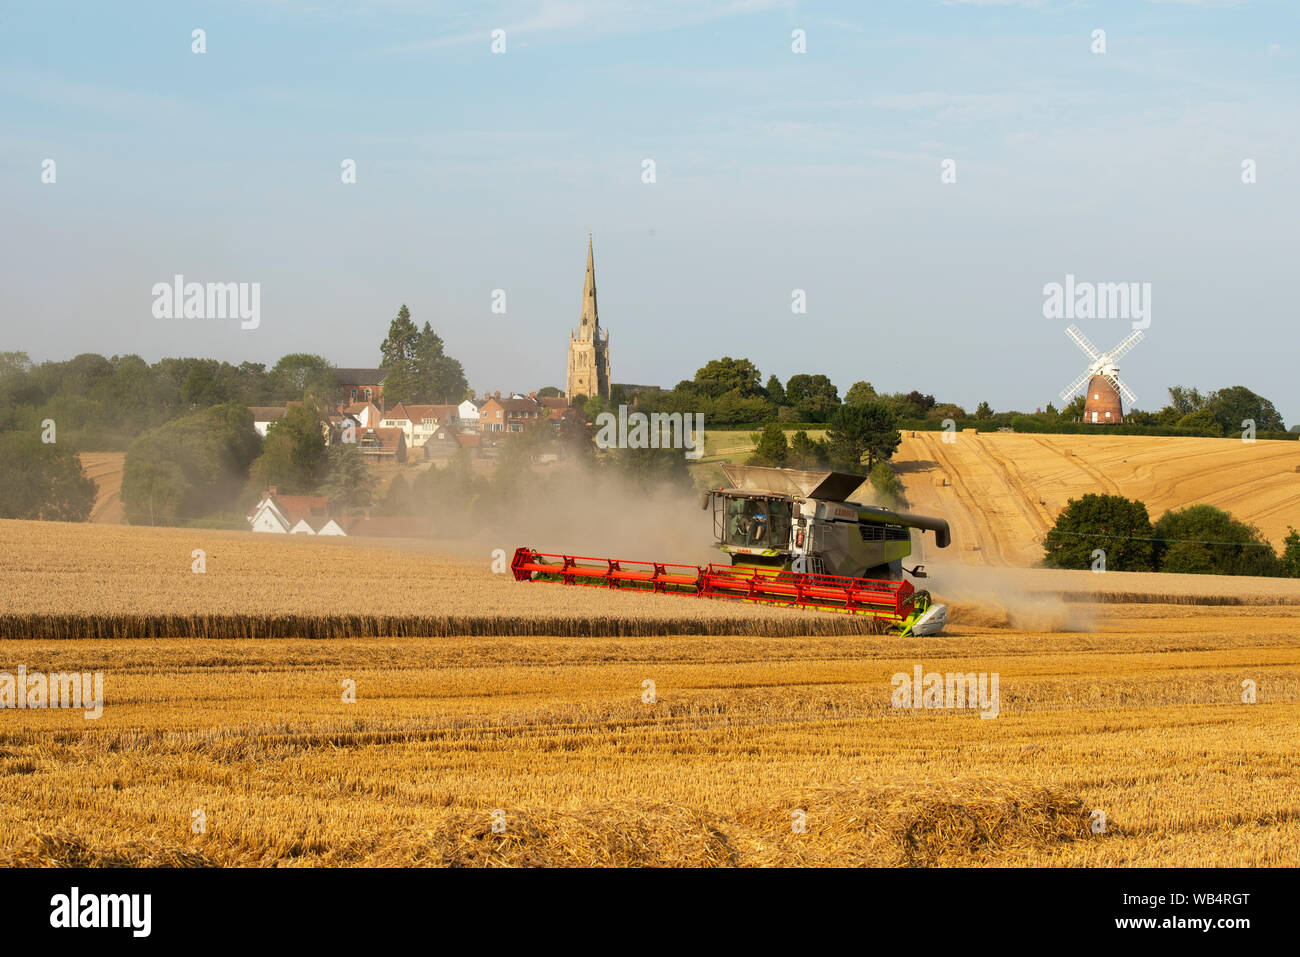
341 427
441 444
419 422
557 403
360 385
263 416
467 414
309 515
293 515
367 414
382 445
510 415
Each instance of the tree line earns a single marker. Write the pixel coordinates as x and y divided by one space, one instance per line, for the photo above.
731 393
103 403
1113 533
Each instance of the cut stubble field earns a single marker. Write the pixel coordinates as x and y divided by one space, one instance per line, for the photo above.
1139 717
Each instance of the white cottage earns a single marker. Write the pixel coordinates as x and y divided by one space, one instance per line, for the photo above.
293 515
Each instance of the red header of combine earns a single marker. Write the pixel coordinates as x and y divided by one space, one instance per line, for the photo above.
890 600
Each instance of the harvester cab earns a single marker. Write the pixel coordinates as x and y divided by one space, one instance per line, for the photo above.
793 520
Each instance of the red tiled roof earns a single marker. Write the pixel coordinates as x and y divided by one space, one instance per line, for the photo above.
516 405
298 507
418 413
388 526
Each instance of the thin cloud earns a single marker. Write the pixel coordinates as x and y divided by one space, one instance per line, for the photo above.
591 18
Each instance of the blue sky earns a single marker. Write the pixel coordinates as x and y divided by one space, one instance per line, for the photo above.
775 171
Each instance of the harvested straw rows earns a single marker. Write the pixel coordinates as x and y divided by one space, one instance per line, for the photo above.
1134 710
1139 720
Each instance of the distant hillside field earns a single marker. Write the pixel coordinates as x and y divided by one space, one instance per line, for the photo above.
1001 491
105 468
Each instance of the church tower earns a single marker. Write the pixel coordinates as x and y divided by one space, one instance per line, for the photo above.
588 350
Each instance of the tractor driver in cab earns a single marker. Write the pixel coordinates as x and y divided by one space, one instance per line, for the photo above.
748 521
758 522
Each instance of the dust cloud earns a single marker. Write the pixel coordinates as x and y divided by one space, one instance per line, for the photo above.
1001 598
589 512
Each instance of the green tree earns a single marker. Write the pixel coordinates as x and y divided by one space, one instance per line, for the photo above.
732 408
1184 401
860 393
1236 404
189 467
865 431
592 407
1291 553
547 392
1202 539
805 453
651 469
576 439
300 373
885 483
1202 422
729 375
814 397
348 483
293 453
946 410
436 377
985 411
775 390
43 480
398 499
397 358
416 366
1118 526
770 447
203 386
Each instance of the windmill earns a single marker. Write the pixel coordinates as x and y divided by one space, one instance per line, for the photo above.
1102 403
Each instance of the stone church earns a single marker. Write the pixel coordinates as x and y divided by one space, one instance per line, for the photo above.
588 350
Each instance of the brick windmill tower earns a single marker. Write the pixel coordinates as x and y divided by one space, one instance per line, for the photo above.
1102 404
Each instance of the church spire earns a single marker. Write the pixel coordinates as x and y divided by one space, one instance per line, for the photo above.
588 350
589 315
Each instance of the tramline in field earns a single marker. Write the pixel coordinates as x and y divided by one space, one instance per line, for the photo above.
793 540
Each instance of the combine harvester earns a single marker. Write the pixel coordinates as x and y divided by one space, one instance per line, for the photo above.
793 540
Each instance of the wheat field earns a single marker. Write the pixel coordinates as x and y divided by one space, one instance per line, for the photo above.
753 750
1001 492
